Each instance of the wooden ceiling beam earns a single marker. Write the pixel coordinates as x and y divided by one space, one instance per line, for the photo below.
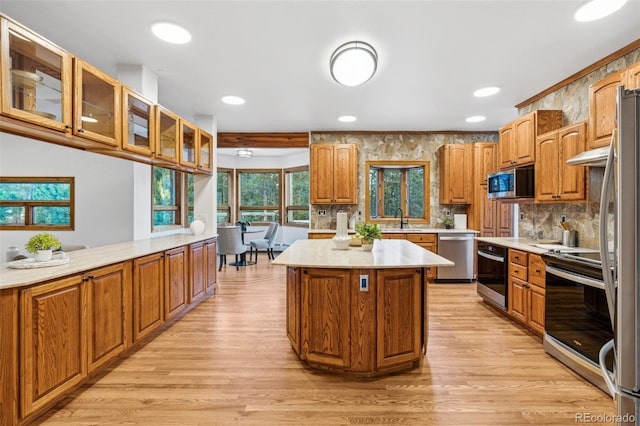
263 140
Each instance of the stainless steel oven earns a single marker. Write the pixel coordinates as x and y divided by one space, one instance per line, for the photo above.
492 273
577 321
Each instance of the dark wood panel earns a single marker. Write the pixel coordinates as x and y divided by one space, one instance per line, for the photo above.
263 140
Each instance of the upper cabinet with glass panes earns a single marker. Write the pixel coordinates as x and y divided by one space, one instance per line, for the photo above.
36 79
188 142
205 152
138 123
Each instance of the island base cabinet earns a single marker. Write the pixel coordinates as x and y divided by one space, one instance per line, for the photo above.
53 341
293 307
148 295
9 356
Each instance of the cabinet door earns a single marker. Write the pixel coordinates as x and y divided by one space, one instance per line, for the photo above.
505 219
148 294
176 281
536 296
205 152
188 144
197 266
602 110
138 123
53 355
484 161
518 299
505 156
97 105
546 170
488 213
321 168
456 171
293 307
345 174
167 135
525 139
572 179
632 77
398 330
109 312
211 264
326 326
36 79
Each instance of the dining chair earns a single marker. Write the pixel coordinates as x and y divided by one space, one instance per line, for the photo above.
265 243
230 242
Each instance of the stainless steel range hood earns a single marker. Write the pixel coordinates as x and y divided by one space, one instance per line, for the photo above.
594 158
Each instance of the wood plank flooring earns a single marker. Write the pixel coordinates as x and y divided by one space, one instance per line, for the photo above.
228 362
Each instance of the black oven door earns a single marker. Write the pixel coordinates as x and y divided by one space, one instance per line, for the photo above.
492 274
576 312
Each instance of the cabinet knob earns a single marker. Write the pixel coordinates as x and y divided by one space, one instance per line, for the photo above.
80 130
68 126
537 271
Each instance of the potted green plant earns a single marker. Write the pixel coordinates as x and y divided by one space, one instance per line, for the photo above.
368 232
42 245
447 222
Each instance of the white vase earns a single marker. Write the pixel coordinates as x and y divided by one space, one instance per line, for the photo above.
367 245
43 255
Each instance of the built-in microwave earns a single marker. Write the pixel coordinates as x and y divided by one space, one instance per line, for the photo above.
514 183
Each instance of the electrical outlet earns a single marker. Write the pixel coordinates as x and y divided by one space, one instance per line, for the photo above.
364 282
447 212
521 216
563 218
322 212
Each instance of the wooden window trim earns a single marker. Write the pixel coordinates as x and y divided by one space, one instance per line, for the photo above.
29 204
230 194
181 208
277 208
285 199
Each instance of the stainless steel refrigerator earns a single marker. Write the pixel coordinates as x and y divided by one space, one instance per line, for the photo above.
620 257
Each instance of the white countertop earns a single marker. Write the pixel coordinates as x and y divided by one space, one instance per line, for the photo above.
404 231
95 257
385 254
531 246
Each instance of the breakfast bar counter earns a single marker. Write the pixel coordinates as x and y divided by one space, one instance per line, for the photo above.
358 312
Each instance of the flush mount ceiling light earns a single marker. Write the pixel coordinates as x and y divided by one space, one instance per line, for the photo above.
353 63
171 33
232 100
347 118
596 9
88 119
244 153
475 119
486 91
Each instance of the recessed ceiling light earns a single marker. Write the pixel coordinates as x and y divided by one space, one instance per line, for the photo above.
353 63
486 91
596 9
347 118
171 33
232 100
475 119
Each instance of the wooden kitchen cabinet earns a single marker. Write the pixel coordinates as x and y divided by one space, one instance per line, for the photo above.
527 289
148 294
97 107
482 212
555 179
109 312
429 242
293 307
53 351
168 132
198 269
456 173
188 144
176 281
138 129
37 79
484 161
504 219
602 110
333 174
205 152
631 77
518 138
210 247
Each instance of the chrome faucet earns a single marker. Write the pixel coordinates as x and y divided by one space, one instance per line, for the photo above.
402 222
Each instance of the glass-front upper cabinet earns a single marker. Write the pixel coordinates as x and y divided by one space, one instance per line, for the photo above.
97 108
139 122
188 143
36 78
167 135
205 152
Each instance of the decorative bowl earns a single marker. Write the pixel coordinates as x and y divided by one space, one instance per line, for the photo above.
341 243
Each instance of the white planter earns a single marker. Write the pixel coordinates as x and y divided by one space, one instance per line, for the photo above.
43 255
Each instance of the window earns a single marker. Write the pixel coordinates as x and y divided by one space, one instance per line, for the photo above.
297 196
172 198
225 185
259 195
37 203
396 187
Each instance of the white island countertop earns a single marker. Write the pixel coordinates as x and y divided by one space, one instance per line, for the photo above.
385 254
404 231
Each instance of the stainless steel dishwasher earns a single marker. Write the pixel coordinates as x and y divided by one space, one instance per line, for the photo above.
458 248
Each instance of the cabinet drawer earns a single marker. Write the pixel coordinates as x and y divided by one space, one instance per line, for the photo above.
518 257
518 271
390 236
422 238
536 270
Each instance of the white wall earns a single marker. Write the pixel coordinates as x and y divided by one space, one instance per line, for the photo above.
103 190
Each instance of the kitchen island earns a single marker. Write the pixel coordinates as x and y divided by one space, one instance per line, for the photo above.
358 312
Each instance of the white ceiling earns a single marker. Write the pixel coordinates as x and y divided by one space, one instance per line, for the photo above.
432 56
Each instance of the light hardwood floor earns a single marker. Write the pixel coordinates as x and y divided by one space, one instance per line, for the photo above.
229 362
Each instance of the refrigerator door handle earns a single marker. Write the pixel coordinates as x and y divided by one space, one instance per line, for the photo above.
602 355
607 183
